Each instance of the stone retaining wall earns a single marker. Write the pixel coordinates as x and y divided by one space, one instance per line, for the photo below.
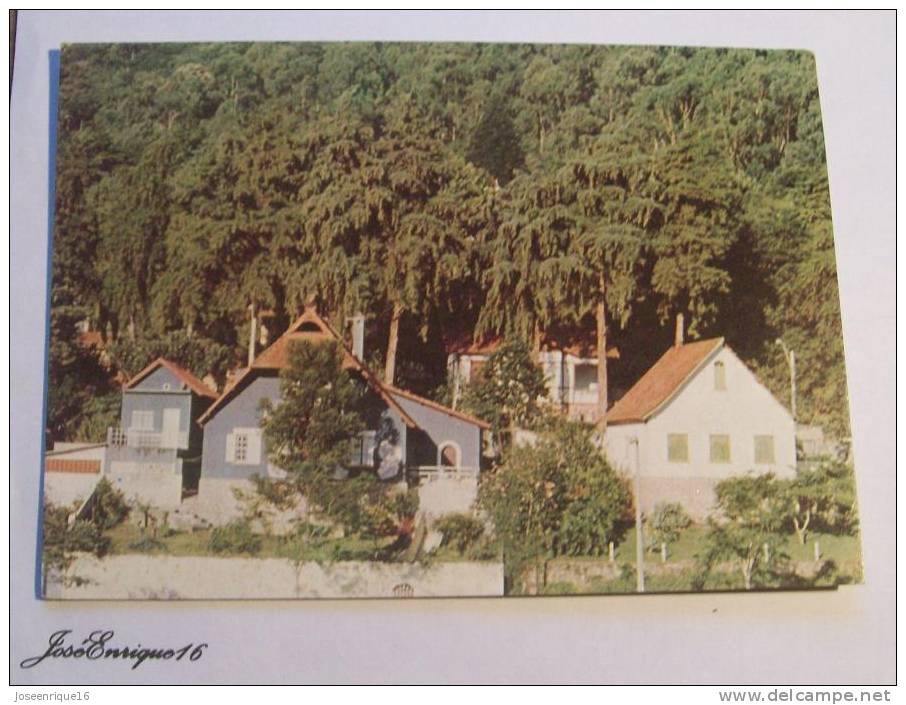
188 577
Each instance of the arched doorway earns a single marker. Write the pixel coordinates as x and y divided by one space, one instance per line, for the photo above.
449 455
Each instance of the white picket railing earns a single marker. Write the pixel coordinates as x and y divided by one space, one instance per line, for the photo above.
431 473
142 438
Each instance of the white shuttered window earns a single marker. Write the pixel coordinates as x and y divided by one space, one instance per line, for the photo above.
243 446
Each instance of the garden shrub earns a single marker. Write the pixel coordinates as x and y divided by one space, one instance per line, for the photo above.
404 504
668 520
234 538
147 544
109 507
460 531
61 541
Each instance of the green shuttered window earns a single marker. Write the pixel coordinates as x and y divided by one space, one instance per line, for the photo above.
678 447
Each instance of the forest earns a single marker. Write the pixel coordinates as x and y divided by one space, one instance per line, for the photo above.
448 192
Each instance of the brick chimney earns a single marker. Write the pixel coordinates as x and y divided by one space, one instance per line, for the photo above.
678 336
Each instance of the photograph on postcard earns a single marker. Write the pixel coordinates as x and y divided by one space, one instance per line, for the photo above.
429 320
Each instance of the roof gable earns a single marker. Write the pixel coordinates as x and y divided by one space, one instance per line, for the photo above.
438 407
309 327
182 374
663 381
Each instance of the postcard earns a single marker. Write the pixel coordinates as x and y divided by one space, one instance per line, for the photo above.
402 320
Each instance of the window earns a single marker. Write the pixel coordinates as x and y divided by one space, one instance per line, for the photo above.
678 447
243 446
720 377
362 452
240 452
764 450
720 448
143 420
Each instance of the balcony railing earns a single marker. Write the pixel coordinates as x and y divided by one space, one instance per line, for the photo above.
140 438
430 473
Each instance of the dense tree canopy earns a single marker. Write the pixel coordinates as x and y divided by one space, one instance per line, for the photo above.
447 188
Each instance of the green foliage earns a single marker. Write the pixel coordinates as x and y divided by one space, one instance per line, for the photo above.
556 497
507 392
821 497
234 538
108 508
404 505
495 143
60 540
79 393
309 431
750 530
196 179
281 494
461 531
147 544
667 521
308 434
199 355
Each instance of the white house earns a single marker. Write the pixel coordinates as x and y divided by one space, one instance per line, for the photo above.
570 370
699 415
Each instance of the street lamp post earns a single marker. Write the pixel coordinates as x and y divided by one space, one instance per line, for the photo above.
639 538
790 356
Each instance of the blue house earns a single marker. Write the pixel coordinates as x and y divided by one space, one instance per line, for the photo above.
154 455
410 439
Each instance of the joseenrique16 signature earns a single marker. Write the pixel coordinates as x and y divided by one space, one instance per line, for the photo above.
97 646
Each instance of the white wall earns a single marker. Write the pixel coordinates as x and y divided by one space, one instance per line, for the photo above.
159 485
218 504
66 488
745 409
201 577
446 495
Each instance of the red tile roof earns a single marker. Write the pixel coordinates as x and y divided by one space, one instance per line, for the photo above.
190 380
87 467
276 357
660 383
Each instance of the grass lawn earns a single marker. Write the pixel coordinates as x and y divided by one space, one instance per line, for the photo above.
844 551
127 538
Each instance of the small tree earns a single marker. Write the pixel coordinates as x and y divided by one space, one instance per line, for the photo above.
749 531
821 495
558 496
461 531
109 506
309 432
667 522
507 393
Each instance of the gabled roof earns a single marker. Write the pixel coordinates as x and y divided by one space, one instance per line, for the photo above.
395 391
313 328
663 381
190 380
